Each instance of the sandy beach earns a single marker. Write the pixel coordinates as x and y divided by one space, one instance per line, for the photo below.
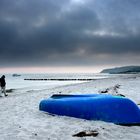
20 118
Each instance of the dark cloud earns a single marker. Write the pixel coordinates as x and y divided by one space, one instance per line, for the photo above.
69 33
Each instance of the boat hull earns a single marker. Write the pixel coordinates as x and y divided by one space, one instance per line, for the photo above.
107 108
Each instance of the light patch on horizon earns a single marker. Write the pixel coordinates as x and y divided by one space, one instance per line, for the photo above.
52 70
103 33
78 1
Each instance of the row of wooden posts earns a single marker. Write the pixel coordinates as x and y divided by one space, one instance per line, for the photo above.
79 79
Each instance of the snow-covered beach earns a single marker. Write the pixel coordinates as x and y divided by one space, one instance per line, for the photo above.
20 118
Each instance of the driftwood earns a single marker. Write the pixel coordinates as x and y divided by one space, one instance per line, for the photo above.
92 133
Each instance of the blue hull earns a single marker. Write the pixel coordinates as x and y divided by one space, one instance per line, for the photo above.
107 108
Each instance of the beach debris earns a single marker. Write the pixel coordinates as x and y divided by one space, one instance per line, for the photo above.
19 126
35 134
103 128
92 133
30 91
121 95
111 90
104 91
10 90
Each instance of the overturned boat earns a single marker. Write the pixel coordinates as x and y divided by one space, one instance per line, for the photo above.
109 108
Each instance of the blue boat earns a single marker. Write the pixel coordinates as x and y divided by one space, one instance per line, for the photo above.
115 109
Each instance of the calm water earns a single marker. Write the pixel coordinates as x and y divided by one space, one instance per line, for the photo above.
19 82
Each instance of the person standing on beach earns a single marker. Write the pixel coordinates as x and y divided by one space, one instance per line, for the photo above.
3 85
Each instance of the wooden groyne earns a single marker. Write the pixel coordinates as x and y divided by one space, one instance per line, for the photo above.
60 79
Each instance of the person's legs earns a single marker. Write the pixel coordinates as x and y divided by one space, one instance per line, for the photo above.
4 91
1 92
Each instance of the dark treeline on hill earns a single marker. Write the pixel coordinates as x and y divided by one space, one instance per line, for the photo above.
122 70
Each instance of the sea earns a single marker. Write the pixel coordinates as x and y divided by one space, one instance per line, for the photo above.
17 81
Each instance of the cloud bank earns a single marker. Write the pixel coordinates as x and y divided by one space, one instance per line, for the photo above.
69 33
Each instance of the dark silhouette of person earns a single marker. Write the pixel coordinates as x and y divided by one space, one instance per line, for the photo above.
3 85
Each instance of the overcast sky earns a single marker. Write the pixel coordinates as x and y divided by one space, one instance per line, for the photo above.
69 33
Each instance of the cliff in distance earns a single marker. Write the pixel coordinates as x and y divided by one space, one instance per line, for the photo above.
122 70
